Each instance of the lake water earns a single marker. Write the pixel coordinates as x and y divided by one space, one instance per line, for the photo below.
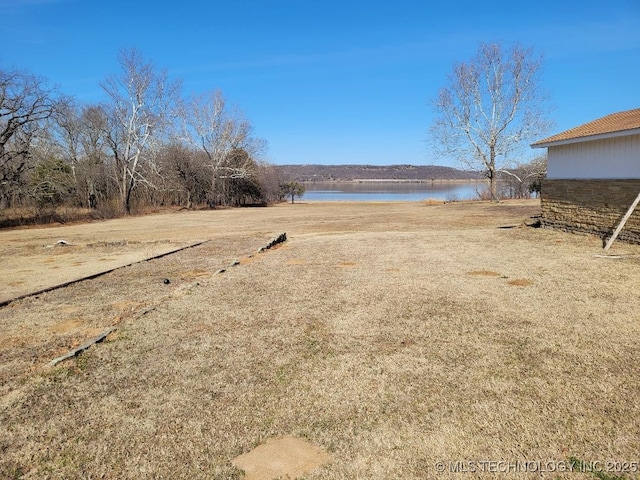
390 191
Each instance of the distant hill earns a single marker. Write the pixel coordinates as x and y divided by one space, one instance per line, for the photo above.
328 173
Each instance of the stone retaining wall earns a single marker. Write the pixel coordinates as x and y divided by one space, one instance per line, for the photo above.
591 206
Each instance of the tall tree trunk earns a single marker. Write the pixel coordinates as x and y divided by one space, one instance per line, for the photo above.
493 185
130 187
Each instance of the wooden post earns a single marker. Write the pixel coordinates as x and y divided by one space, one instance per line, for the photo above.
622 222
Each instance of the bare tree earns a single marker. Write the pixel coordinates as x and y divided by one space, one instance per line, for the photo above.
244 188
270 180
522 180
491 109
95 185
67 127
58 151
142 101
25 102
209 126
187 179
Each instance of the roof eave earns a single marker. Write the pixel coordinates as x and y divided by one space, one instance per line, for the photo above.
588 138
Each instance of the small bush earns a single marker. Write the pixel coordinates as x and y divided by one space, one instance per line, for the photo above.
41 216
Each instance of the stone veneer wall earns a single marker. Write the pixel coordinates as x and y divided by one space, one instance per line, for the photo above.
591 206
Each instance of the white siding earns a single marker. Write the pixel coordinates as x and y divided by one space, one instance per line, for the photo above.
617 157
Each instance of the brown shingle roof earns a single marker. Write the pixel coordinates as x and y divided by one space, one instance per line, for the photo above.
616 122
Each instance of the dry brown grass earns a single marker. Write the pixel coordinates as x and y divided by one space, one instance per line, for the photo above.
370 332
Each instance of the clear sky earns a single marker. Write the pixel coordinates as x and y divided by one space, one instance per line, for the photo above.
332 82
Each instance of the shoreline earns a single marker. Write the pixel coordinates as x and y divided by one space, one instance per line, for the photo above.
397 180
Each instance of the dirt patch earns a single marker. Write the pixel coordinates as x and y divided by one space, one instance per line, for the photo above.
520 282
195 273
484 273
92 332
346 264
286 457
129 305
67 326
247 260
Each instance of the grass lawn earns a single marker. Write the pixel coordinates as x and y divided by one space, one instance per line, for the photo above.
394 336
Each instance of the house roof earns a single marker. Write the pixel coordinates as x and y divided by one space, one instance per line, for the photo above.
616 124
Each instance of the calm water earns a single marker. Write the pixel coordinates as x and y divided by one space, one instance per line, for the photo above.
389 191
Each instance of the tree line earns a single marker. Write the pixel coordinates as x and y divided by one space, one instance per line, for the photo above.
146 145
328 173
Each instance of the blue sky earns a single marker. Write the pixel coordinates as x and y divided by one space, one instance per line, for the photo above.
333 82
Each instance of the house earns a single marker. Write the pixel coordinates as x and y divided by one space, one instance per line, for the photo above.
593 176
